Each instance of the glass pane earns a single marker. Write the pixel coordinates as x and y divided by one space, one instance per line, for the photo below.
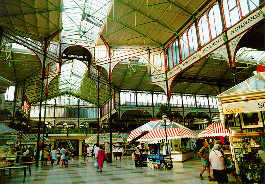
204 30
215 21
184 46
231 12
176 57
170 59
193 39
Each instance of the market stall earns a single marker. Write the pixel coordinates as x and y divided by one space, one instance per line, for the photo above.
242 111
214 130
171 133
7 152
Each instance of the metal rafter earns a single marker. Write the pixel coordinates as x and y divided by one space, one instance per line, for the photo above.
129 27
141 80
153 19
180 7
123 78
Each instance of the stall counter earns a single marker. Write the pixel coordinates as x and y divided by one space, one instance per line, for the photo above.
181 156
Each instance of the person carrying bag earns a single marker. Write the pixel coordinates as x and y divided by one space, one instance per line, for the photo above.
100 158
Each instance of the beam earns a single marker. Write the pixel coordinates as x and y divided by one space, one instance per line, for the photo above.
141 80
153 19
180 7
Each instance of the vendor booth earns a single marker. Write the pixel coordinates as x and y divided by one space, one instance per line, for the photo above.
214 130
242 111
163 141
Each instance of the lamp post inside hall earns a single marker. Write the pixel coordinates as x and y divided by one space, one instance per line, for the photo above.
164 117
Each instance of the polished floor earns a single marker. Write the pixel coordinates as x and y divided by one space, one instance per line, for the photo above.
119 171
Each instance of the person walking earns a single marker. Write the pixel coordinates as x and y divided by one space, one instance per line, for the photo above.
45 157
204 154
96 149
85 153
63 151
58 156
67 154
101 155
218 164
53 155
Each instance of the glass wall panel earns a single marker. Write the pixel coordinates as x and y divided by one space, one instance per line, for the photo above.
184 46
248 5
204 30
231 12
170 58
193 39
176 56
215 21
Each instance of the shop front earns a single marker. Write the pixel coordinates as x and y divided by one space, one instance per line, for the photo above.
242 110
164 141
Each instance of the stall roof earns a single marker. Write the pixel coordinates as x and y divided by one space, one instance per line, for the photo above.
5 129
255 83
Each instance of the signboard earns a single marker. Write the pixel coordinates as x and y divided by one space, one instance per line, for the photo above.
239 107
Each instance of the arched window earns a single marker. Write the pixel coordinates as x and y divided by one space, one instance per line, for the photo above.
184 46
204 30
215 21
231 12
193 43
173 55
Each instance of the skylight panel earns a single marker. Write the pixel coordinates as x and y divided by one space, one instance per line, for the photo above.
82 20
71 76
250 56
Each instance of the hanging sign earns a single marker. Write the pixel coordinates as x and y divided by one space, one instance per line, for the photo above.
239 107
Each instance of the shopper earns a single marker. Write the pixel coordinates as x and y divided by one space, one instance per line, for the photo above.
58 156
96 149
85 154
101 156
204 154
63 151
45 157
218 164
67 154
53 155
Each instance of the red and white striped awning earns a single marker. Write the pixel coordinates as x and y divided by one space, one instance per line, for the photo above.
215 130
158 134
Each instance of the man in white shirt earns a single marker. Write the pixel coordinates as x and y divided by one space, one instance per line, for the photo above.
53 155
218 164
63 151
96 150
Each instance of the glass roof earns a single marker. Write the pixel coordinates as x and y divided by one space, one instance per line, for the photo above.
71 76
82 20
257 82
250 56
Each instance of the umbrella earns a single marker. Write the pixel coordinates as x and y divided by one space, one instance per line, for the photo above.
214 130
156 131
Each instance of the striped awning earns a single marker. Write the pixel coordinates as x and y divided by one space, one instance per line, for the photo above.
173 131
214 130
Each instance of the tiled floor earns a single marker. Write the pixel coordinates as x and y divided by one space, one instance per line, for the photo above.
119 171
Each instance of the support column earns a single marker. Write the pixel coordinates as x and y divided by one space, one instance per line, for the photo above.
110 106
80 147
98 109
78 109
153 106
41 96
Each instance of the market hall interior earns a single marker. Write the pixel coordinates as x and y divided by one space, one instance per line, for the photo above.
76 73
